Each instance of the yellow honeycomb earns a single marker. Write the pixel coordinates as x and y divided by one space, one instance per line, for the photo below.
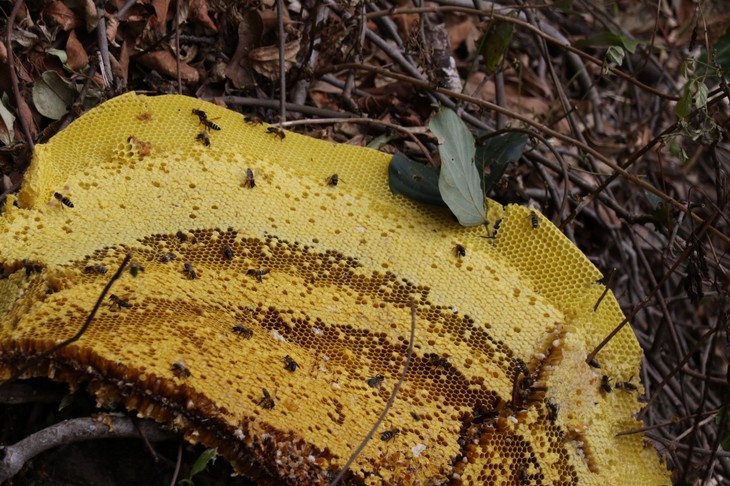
270 312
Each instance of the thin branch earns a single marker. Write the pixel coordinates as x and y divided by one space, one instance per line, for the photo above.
70 431
37 359
368 121
282 71
391 400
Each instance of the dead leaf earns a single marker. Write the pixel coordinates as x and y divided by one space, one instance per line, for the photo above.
238 69
59 14
77 57
161 7
7 121
165 63
265 60
91 15
199 13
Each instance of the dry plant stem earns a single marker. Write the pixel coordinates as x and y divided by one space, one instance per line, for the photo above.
282 71
145 440
37 359
669 444
273 104
659 295
542 128
106 65
13 75
521 23
667 423
391 400
68 432
668 376
120 13
177 46
369 121
692 433
178 463
636 155
689 248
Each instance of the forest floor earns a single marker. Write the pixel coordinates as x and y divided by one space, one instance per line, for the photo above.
625 106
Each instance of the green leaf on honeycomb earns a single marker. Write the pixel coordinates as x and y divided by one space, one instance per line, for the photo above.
322 274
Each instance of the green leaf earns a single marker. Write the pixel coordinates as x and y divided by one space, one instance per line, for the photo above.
201 463
53 95
684 105
66 401
495 44
700 97
496 153
59 53
615 55
607 39
414 181
459 182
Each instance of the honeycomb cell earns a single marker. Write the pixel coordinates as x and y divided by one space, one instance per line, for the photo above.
238 277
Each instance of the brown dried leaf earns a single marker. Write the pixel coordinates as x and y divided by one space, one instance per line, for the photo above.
59 14
161 7
165 63
238 69
91 15
199 13
77 57
265 60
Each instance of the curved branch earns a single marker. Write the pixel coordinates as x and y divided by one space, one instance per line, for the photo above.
70 431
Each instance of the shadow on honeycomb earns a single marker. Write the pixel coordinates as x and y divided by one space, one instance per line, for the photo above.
268 312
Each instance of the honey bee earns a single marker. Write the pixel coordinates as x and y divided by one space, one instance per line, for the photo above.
290 364
204 138
524 477
257 273
376 381
277 132
253 119
605 385
243 331
534 221
593 363
438 361
179 369
96 269
626 385
267 403
64 200
552 410
459 250
209 125
228 252
181 237
415 416
119 302
201 114
135 268
250 182
333 180
190 271
31 267
167 257
389 435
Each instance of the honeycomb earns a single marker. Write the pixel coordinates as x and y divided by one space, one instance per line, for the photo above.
268 310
